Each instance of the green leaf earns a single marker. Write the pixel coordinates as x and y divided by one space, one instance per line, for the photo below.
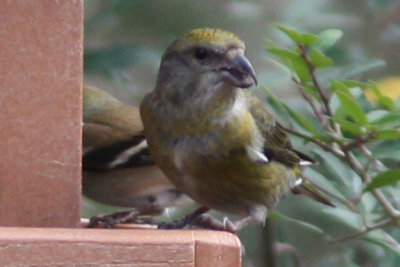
374 89
341 221
344 178
383 101
277 104
311 90
388 135
328 38
294 61
349 102
302 121
270 44
282 109
350 127
387 121
387 150
376 115
284 54
291 33
386 102
323 181
299 38
309 38
319 60
354 83
275 215
389 177
359 68
383 239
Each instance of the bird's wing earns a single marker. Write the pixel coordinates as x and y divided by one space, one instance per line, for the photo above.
279 148
112 133
277 145
129 152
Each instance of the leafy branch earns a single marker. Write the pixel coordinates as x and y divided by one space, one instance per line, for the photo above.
347 129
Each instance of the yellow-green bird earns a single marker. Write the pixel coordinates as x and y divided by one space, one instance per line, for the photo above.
211 136
117 168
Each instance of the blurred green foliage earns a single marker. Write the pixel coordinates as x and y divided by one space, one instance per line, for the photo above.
343 138
357 40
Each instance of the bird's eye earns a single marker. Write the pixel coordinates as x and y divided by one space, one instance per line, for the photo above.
200 53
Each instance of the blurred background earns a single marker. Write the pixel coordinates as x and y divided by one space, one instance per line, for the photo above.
124 42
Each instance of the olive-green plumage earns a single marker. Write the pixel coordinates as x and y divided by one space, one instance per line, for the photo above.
213 138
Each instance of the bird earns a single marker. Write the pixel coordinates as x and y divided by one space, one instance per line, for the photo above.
213 138
117 167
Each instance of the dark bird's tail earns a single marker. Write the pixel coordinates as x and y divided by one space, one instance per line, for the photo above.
307 188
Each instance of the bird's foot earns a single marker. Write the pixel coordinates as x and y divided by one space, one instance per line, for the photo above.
208 222
119 217
187 221
198 219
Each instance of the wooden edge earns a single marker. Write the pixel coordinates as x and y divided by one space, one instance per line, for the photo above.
100 247
215 248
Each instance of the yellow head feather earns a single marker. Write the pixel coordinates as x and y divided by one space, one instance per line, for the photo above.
207 36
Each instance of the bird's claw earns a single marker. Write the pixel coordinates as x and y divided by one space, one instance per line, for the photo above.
119 217
203 221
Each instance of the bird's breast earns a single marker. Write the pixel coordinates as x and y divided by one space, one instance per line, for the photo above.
222 141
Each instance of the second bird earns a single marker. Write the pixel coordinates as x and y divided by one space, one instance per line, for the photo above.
117 167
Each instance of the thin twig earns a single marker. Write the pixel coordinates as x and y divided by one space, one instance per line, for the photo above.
318 112
356 142
353 162
321 91
344 151
318 142
324 97
393 212
379 165
367 229
385 203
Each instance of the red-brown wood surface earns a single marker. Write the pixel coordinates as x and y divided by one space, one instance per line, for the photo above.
40 156
40 112
94 247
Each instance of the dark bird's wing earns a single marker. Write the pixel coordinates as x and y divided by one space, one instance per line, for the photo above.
121 154
277 145
112 133
279 148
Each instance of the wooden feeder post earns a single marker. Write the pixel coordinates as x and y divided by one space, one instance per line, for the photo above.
41 47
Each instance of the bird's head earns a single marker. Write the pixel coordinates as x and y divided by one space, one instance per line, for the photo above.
207 58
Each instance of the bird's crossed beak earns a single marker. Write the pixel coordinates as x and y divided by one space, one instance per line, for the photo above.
241 72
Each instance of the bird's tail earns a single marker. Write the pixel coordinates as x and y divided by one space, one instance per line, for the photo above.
305 160
307 188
